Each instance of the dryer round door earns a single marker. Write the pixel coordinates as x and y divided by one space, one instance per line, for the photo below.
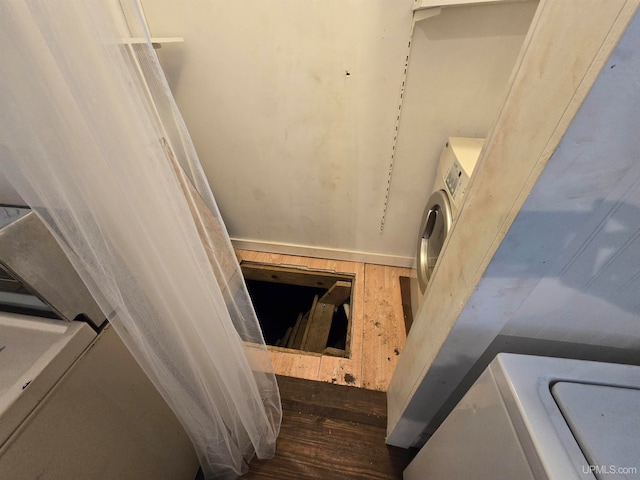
436 223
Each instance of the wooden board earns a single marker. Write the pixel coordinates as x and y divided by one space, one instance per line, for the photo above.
290 276
337 294
405 294
294 332
313 447
302 328
280 349
287 335
295 364
331 432
384 331
319 327
348 370
309 315
333 352
336 401
210 229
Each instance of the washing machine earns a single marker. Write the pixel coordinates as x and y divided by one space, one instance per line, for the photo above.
529 417
457 162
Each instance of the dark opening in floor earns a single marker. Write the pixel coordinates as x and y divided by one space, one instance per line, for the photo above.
301 309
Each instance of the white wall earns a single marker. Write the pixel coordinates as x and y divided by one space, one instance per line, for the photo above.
566 277
295 149
297 152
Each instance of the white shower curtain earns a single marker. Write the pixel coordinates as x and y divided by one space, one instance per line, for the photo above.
91 138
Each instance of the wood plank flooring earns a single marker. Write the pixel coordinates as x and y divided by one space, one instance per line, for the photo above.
378 331
384 334
331 432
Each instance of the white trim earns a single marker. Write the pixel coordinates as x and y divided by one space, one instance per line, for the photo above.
322 252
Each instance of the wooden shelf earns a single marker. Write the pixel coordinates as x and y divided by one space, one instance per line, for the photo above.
424 4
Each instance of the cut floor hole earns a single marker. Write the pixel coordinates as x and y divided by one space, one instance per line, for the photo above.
301 309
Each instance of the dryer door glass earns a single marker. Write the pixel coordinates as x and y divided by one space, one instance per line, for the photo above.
436 223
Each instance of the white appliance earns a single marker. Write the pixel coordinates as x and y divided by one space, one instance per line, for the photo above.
529 417
75 404
457 162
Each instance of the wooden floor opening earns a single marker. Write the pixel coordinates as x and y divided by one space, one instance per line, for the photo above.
301 309
376 322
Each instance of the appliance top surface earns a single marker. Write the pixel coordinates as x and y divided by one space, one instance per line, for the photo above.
27 346
526 383
605 422
467 151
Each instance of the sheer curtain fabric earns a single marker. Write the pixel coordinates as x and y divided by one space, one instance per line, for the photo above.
93 142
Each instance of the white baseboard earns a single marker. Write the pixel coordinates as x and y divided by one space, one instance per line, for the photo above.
320 252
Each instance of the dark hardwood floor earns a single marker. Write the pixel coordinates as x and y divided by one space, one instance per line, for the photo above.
331 432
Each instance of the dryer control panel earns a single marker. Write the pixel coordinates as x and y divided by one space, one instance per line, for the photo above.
456 181
457 163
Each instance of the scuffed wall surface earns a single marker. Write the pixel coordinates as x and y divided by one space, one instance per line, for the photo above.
293 105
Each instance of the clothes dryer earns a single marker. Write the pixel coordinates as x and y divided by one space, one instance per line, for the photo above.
457 163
